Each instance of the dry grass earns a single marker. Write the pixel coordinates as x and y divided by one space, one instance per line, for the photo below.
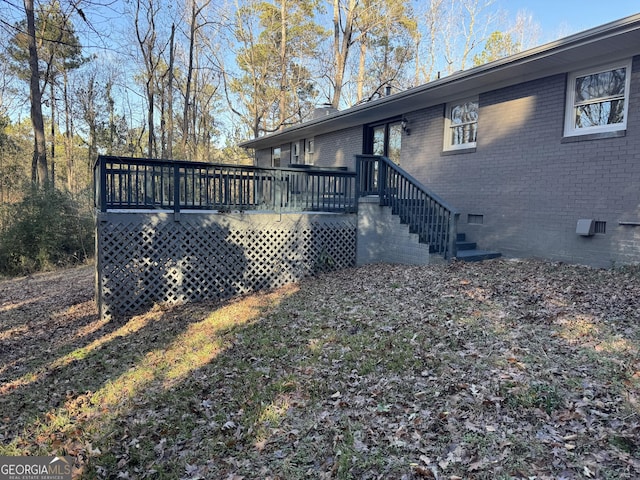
478 371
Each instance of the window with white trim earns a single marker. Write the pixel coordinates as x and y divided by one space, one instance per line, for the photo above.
309 150
276 154
598 99
461 124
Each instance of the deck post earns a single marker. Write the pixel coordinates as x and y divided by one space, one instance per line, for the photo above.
103 184
382 182
176 192
358 177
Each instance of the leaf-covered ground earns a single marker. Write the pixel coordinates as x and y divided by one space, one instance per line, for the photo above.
498 370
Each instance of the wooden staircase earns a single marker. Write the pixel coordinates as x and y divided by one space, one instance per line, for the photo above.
469 252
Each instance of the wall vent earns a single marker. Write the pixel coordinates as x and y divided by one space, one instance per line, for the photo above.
599 227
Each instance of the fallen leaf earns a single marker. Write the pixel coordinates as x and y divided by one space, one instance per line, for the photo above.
423 472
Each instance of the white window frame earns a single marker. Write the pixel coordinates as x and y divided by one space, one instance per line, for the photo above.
309 150
570 130
448 146
275 156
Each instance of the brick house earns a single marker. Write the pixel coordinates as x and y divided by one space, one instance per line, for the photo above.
539 152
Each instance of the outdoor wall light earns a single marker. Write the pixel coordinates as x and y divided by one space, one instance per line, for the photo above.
405 126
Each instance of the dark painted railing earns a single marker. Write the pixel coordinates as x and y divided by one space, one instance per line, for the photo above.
428 215
138 183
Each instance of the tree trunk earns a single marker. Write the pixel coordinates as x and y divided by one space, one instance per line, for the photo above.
91 119
341 47
187 93
53 133
337 76
283 64
147 42
162 92
361 69
150 125
112 116
68 136
39 171
194 119
170 96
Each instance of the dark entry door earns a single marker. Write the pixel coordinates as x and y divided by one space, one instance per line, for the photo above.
385 139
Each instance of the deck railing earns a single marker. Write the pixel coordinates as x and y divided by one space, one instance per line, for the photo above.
428 215
137 183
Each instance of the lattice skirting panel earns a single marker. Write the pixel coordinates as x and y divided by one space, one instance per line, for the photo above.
149 258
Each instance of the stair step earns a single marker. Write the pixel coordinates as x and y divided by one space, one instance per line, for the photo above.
467 251
477 255
466 245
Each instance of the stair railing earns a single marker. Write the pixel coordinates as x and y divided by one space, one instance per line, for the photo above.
432 218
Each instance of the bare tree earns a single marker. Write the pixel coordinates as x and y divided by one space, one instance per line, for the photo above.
167 150
248 86
467 25
525 31
196 22
39 170
474 30
88 101
344 17
151 48
432 27
369 24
